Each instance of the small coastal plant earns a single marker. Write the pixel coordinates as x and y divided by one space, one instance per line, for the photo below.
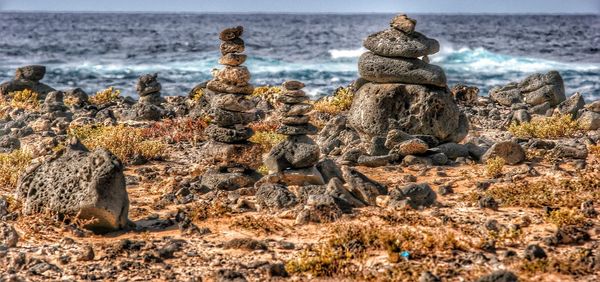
125 142
197 94
265 135
566 217
11 166
494 167
26 100
105 96
340 101
178 130
556 126
268 93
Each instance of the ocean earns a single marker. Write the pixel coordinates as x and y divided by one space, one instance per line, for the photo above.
96 50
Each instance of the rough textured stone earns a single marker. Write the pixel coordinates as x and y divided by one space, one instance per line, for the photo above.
403 23
589 120
295 109
295 120
572 105
274 196
228 135
232 102
232 59
593 106
77 182
463 94
237 76
231 33
511 152
8 236
499 276
30 73
221 87
534 90
225 118
307 129
414 195
225 178
148 84
293 85
399 70
411 147
336 189
299 177
362 187
295 152
232 46
415 108
394 43
453 150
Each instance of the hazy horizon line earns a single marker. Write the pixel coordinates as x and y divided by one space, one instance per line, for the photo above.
292 13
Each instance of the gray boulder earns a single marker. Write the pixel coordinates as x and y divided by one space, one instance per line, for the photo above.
593 106
395 43
499 276
572 105
399 70
77 182
362 187
273 196
8 236
415 109
454 150
534 90
413 195
298 151
511 152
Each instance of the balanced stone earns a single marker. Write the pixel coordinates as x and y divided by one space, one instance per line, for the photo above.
295 93
30 73
293 85
399 70
228 135
307 129
295 109
295 120
227 118
232 102
231 33
394 43
403 23
237 76
286 99
295 152
233 46
148 84
222 87
232 59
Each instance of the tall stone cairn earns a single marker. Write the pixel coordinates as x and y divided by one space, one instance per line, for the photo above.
230 109
400 89
295 158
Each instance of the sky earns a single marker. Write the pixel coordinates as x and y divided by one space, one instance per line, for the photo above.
309 6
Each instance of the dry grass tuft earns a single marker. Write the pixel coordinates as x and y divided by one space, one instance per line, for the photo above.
24 100
261 224
557 126
197 94
268 93
494 167
125 142
178 130
265 135
566 217
568 193
105 96
11 166
340 101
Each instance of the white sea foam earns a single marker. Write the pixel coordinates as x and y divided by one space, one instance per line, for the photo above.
346 53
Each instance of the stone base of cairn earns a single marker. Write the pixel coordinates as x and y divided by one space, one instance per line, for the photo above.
292 162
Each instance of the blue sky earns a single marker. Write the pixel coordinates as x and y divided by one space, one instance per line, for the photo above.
310 6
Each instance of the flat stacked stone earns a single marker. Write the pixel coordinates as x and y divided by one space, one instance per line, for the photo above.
230 109
295 158
399 85
27 77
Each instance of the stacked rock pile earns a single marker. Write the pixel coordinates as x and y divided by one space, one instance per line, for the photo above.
230 109
27 77
296 157
149 105
399 89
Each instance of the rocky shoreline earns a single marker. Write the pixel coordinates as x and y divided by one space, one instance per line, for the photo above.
397 177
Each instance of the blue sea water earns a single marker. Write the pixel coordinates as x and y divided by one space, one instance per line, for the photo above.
94 51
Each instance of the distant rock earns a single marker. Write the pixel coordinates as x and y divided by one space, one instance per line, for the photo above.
27 77
589 120
77 182
571 106
534 90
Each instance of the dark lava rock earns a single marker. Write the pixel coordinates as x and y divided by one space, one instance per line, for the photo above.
415 195
534 252
499 276
274 196
362 187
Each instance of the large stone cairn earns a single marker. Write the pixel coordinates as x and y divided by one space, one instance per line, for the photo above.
295 158
399 89
27 77
230 109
